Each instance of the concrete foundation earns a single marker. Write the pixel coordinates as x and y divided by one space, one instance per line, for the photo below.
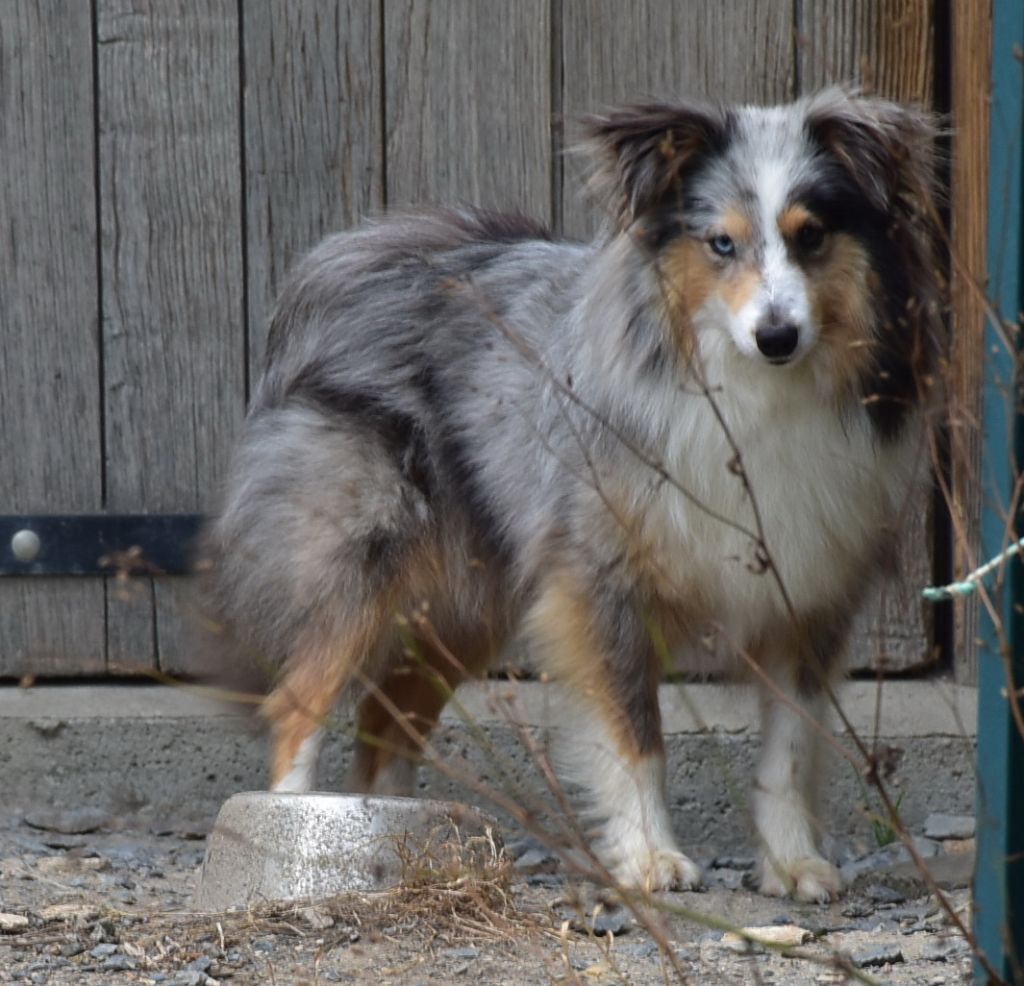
125 747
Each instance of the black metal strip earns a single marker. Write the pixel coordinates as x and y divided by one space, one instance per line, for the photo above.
97 544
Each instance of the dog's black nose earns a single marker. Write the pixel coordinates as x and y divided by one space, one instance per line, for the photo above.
777 342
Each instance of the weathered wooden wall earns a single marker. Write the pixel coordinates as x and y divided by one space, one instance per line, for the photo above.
165 160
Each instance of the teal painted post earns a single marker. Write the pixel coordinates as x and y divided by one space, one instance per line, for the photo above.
999 875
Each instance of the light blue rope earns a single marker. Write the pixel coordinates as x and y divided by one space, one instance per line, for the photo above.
940 593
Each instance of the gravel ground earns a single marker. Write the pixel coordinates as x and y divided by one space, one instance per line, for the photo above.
88 899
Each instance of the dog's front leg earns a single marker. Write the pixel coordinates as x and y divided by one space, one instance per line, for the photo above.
598 646
793 711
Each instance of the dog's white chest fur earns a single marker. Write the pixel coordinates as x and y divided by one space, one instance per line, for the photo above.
822 492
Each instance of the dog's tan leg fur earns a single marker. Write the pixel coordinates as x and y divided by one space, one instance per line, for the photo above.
386 747
314 677
617 742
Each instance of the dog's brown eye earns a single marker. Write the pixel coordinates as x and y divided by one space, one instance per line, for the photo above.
811 237
722 245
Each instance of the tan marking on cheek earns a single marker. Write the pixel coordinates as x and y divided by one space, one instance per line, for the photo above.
739 287
842 288
794 219
690 278
737 226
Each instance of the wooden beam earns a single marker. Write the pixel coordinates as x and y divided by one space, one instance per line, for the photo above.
969 216
50 370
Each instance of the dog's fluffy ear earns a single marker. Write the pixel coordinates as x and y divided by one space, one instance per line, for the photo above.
888 150
639 154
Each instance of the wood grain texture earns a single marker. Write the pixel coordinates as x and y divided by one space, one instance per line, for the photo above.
313 136
614 53
468 103
887 47
49 396
171 263
971 88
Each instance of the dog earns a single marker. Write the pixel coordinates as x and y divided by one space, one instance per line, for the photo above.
709 417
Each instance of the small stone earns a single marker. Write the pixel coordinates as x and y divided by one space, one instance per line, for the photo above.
469 952
858 909
103 950
727 878
118 963
12 923
779 935
190 978
884 955
76 821
888 856
58 840
943 949
317 918
612 921
641 949
954 847
51 865
69 911
733 863
941 826
882 894
537 860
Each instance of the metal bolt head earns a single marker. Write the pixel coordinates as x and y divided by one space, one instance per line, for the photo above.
25 544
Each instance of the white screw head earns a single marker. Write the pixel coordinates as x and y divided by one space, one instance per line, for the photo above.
25 544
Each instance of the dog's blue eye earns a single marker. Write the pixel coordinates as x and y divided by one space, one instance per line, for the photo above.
722 245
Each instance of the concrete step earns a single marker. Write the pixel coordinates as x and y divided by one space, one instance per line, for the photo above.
124 747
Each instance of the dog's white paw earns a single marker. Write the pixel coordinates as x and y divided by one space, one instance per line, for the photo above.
812 879
657 869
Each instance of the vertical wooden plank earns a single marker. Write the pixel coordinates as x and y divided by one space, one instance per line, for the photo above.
171 261
616 52
313 135
888 48
49 370
885 46
971 86
468 103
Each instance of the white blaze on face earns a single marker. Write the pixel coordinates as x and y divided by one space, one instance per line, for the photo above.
783 295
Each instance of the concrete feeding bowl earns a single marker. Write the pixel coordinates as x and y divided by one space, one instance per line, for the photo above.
267 846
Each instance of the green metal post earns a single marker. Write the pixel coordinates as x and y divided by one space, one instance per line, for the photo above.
999 874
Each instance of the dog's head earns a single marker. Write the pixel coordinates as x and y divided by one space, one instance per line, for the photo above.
803 231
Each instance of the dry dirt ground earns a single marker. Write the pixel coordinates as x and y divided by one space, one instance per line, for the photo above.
94 900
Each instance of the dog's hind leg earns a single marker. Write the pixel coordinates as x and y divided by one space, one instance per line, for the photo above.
793 710
596 643
313 678
396 718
